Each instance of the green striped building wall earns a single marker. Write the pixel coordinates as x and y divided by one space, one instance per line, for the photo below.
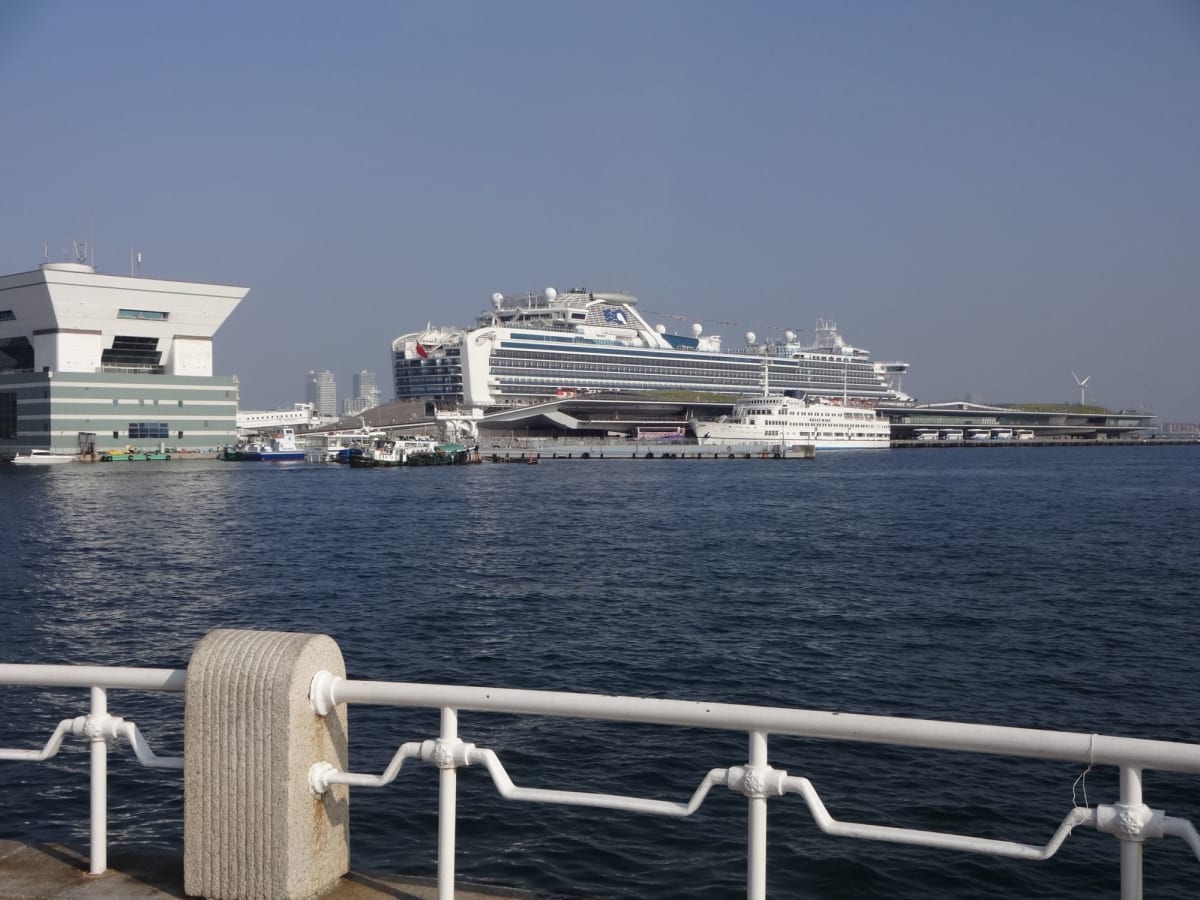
50 409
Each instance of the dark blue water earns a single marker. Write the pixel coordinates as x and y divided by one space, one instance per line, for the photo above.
1052 588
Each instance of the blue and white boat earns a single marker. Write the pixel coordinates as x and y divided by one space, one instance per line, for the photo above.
282 446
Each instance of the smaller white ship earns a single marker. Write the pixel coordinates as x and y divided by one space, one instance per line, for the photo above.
779 421
38 457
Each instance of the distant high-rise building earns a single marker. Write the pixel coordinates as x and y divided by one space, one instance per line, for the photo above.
366 389
322 393
355 406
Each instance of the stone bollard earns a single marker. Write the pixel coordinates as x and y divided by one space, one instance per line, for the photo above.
253 830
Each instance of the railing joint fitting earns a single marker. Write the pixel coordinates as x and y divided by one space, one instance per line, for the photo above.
320 692
447 754
318 774
98 728
1130 821
756 781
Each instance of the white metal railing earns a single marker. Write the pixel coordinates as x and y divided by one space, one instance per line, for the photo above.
98 727
1130 819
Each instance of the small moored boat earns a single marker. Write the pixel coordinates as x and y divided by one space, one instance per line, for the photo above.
40 457
281 447
411 452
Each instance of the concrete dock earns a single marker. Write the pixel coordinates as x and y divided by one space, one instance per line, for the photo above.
55 872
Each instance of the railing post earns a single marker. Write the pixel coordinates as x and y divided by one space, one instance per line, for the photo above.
756 825
1131 850
447 808
99 772
253 828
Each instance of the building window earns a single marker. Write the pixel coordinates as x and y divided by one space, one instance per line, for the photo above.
7 315
116 434
16 355
141 314
8 414
180 402
180 436
148 430
132 354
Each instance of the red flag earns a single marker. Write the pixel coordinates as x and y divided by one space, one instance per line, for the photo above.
421 351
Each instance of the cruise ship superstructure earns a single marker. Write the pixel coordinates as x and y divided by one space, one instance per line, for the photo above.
535 347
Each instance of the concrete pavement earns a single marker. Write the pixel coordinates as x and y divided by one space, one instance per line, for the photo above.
55 872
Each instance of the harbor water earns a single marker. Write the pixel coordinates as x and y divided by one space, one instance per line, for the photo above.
1040 587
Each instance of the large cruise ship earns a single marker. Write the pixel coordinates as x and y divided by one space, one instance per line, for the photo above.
534 347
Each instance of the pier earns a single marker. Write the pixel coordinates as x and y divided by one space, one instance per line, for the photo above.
598 451
540 450
1043 442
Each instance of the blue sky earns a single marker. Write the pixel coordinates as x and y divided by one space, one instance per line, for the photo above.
996 192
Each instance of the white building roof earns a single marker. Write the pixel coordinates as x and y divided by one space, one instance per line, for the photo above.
71 315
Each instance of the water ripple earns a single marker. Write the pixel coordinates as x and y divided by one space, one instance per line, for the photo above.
1041 588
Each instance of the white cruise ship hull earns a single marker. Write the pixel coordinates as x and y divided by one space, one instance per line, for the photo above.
531 348
731 441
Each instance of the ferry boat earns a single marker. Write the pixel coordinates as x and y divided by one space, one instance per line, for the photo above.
532 347
782 421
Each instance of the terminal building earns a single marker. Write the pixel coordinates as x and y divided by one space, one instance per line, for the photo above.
603 416
114 360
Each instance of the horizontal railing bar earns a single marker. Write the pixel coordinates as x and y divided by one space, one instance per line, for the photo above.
1002 740
169 680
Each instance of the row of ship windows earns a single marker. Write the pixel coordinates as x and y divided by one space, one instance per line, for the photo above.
804 434
827 417
627 381
751 370
538 388
606 348
696 373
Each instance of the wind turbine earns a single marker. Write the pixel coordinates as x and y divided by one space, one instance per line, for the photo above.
1082 384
